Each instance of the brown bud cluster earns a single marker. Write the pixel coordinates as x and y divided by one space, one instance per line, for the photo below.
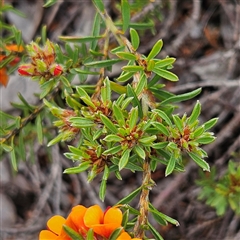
42 62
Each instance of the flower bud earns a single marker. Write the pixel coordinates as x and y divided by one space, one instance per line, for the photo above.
41 66
56 69
26 70
34 50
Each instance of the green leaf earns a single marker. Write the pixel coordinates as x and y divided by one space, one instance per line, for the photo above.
125 7
74 39
164 116
102 190
134 38
115 234
23 100
95 30
170 165
125 76
118 114
165 74
132 68
124 159
205 139
126 56
140 152
6 148
133 118
81 168
118 88
147 140
99 5
113 150
39 128
163 216
155 50
164 62
150 65
71 233
141 84
160 145
161 128
178 122
49 3
79 70
106 91
200 162
102 63
135 101
81 122
130 197
108 123
155 233
182 97
195 113
112 138
209 124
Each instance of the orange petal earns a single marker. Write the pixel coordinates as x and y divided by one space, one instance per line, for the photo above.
105 230
47 235
14 47
3 77
75 219
113 215
124 236
93 216
55 224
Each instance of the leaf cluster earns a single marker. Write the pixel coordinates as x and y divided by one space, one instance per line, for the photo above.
222 192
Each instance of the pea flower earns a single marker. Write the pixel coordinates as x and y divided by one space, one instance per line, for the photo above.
81 219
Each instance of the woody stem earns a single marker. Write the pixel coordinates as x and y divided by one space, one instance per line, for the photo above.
142 220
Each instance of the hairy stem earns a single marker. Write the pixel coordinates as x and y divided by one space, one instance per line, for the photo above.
142 220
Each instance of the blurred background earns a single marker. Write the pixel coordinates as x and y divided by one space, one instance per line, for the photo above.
204 37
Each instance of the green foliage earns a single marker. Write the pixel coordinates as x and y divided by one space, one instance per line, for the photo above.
115 125
222 192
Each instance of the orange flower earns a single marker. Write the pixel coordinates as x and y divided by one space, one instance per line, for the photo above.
3 71
103 223
3 77
81 219
126 236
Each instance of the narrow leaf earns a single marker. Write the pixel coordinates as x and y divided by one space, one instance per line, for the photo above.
209 124
124 159
134 38
125 7
108 123
170 166
118 114
161 128
126 56
73 39
195 113
182 97
81 168
166 74
200 162
130 197
155 50
102 63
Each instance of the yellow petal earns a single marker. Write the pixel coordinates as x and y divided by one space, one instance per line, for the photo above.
113 215
55 224
47 235
93 216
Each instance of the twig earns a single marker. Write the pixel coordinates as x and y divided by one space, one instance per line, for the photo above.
209 83
47 190
189 24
